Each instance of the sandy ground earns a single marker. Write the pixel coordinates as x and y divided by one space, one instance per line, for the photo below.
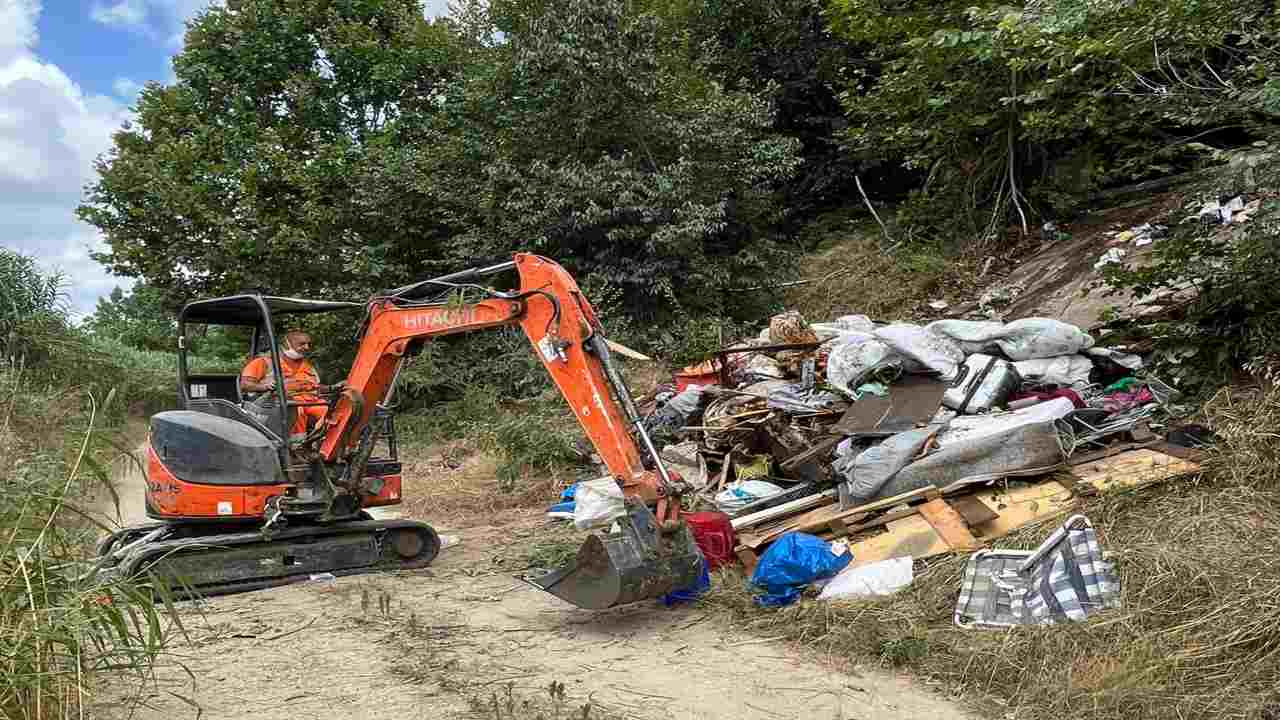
465 639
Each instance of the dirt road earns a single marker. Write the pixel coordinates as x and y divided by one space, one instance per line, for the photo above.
464 638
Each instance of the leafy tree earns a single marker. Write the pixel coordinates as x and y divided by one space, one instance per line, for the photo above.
783 48
246 172
985 100
583 141
339 146
140 318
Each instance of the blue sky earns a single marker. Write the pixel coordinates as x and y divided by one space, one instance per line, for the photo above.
69 70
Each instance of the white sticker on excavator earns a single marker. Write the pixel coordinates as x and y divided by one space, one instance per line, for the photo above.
548 348
224 508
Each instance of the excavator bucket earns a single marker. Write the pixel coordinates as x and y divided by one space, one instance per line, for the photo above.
638 562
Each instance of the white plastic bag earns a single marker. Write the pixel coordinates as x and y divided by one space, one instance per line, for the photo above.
1025 339
1031 338
878 578
597 502
1067 370
850 363
740 494
1125 360
929 350
859 323
972 336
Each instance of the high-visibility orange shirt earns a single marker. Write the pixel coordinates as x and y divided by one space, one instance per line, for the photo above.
301 379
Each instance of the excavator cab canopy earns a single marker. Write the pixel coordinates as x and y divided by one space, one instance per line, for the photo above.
219 393
253 309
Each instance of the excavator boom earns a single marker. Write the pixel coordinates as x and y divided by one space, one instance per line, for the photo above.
648 555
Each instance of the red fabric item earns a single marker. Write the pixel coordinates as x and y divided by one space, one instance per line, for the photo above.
1059 393
713 532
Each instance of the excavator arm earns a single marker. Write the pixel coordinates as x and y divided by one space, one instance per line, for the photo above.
649 554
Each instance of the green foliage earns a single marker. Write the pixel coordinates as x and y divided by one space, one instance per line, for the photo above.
537 440
252 170
30 306
581 141
60 626
139 319
784 51
991 103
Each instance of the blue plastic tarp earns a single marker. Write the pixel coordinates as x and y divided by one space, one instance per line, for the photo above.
700 586
792 562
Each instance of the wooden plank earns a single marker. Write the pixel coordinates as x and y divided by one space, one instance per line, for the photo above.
818 520
1178 451
820 448
910 533
973 512
785 510
912 536
1133 470
1075 485
1107 452
948 524
1023 506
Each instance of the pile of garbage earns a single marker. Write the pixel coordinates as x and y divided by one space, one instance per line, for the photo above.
810 436
873 410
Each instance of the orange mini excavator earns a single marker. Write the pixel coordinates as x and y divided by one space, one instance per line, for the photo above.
241 505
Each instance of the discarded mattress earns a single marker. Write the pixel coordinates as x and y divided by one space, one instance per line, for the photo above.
968 449
1065 579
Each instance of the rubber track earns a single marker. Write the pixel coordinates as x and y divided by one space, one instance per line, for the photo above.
149 558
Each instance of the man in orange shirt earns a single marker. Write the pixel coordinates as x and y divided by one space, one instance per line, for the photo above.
301 381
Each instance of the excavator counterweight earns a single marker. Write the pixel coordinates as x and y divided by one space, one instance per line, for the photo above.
243 503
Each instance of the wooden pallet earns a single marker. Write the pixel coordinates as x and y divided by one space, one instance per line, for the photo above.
938 525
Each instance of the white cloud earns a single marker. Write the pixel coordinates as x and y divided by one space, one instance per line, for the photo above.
126 88
126 13
51 131
162 20
17 27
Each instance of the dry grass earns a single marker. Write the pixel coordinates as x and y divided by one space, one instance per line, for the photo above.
457 484
1198 635
870 282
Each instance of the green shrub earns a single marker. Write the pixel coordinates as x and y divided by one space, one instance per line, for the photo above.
59 624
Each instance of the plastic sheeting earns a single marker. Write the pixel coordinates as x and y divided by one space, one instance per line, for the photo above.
792 562
1124 360
797 399
1068 370
597 502
1025 339
972 336
851 363
869 470
922 348
878 578
969 449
